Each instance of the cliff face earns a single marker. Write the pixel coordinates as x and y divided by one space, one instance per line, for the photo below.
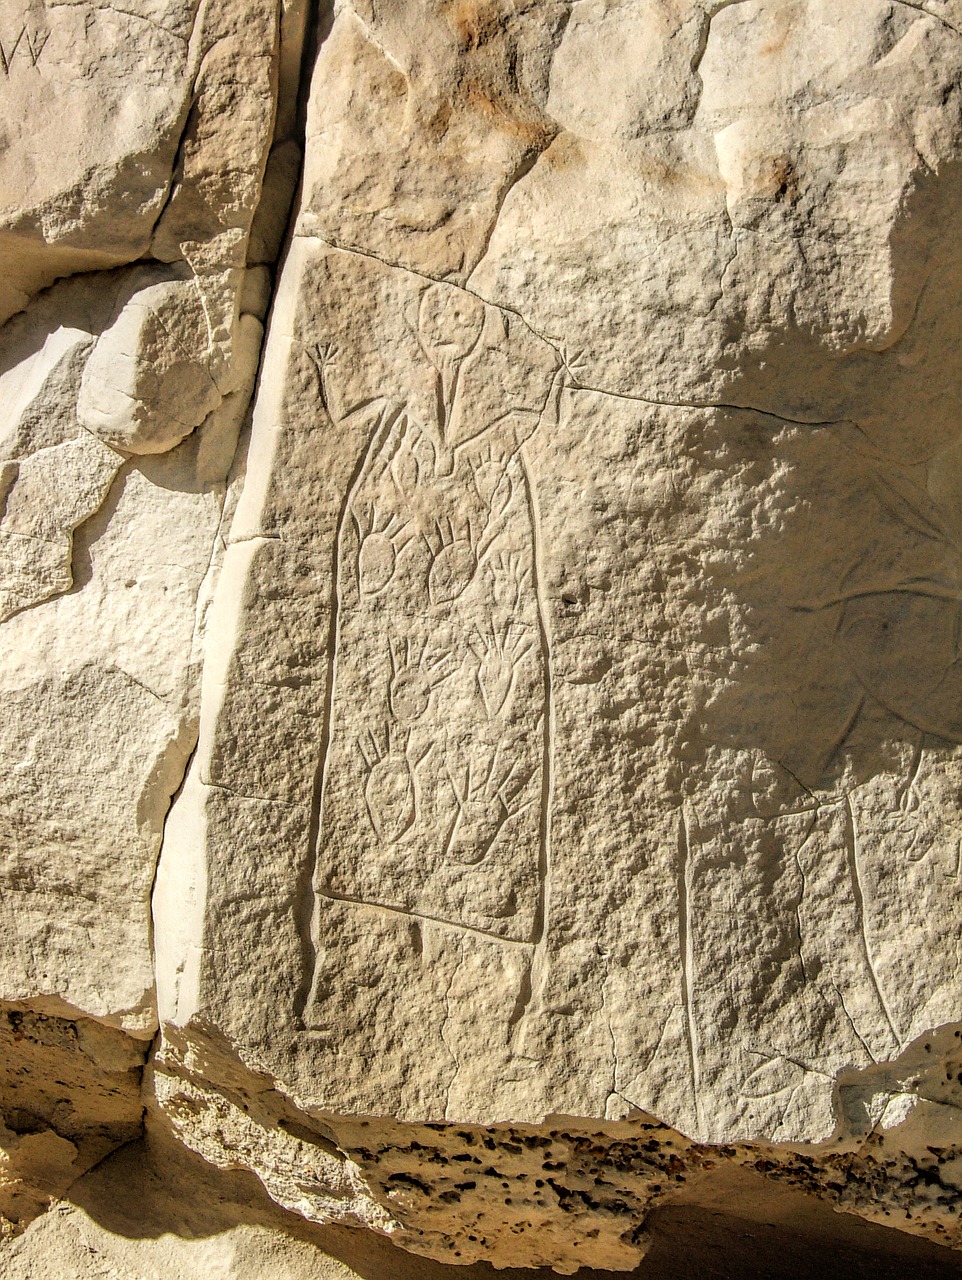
482 754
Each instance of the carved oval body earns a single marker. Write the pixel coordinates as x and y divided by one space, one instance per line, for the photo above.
903 646
406 469
389 793
493 485
478 826
452 571
376 563
409 694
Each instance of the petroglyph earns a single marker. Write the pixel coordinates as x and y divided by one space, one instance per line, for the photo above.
488 796
440 653
390 791
414 676
381 544
24 48
499 651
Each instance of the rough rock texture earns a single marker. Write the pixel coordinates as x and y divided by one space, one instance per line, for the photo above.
510 779
123 394
71 1093
154 1211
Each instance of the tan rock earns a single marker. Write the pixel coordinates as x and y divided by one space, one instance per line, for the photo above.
559 697
69 1093
577 735
143 389
106 93
134 137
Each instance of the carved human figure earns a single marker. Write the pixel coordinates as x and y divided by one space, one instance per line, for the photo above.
437 742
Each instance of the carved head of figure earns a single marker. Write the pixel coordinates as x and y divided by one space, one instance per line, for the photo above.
450 322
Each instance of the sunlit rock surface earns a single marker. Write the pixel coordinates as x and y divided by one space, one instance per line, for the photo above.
480 534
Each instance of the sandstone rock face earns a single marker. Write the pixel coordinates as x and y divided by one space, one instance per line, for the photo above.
135 149
508 764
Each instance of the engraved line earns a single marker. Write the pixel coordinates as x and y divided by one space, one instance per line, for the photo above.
921 587
140 685
613 1087
853 852
803 889
575 383
655 1051
522 1001
538 977
420 915
830 752
509 182
7 55
851 1022
127 13
927 13
904 800
686 953
248 795
383 428
547 772
36 43
451 1048
773 1057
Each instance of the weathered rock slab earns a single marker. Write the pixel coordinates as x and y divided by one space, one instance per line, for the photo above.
518 771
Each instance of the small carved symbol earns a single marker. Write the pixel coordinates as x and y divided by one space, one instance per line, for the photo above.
492 483
29 45
455 558
321 356
485 804
499 652
511 579
390 792
414 677
383 538
406 465
450 322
